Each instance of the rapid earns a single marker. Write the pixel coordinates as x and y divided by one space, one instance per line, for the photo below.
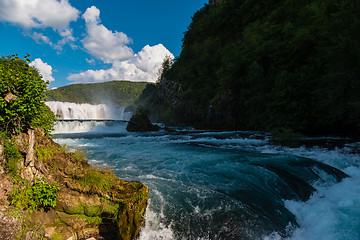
229 185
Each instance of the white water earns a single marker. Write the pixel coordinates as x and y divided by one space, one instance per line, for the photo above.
333 212
85 111
182 171
88 126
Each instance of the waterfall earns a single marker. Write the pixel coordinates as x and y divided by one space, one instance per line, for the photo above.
85 111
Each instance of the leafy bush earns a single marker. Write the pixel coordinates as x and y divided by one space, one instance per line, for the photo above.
12 155
27 108
34 197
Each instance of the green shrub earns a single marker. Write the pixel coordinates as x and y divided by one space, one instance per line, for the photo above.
12 155
28 107
40 195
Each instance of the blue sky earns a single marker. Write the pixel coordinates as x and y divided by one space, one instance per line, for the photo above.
80 41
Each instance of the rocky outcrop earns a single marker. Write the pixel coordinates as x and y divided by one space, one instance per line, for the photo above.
91 203
140 122
173 105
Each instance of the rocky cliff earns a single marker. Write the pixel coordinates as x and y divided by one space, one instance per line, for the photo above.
90 202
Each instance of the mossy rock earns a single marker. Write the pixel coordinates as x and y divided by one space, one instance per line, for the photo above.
140 123
92 202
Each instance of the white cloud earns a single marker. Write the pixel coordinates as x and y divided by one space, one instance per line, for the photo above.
103 43
44 69
111 47
143 66
39 37
38 14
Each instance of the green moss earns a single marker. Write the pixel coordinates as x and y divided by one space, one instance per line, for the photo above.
46 153
92 221
142 211
96 180
111 208
57 236
92 211
107 209
139 198
76 210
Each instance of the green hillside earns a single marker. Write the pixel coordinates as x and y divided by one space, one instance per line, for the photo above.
117 93
267 64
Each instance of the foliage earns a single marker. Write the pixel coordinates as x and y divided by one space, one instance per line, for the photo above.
165 67
78 155
12 155
286 137
267 64
46 119
97 180
117 93
46 153
27 108
147 96
34 197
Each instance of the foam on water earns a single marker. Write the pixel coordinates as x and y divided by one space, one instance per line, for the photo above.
155 228
332 213
184 196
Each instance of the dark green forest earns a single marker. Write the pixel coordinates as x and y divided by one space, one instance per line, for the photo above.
265 65
117 93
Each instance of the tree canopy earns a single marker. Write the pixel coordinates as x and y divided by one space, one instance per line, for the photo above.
117 93
22 94
264 64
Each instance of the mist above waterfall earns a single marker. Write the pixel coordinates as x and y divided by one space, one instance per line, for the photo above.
85 111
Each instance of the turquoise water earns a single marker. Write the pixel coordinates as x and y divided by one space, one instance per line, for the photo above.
230 185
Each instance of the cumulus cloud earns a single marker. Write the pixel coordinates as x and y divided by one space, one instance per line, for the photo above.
44 69
111 47
29 14
103 43
143 66
38 14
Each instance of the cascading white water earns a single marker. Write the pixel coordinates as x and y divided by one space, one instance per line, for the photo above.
85 111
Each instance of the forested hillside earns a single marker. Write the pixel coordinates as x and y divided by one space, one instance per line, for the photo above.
267 64
117 93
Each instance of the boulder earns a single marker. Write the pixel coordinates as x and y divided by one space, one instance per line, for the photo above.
140 123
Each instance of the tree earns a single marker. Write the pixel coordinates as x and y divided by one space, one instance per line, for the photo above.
165 67
25 107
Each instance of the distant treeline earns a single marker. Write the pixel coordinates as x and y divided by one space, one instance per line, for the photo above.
117 93
266 64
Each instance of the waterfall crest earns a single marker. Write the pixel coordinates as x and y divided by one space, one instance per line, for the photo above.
85 111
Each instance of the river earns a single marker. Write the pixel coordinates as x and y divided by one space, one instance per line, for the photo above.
230 185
